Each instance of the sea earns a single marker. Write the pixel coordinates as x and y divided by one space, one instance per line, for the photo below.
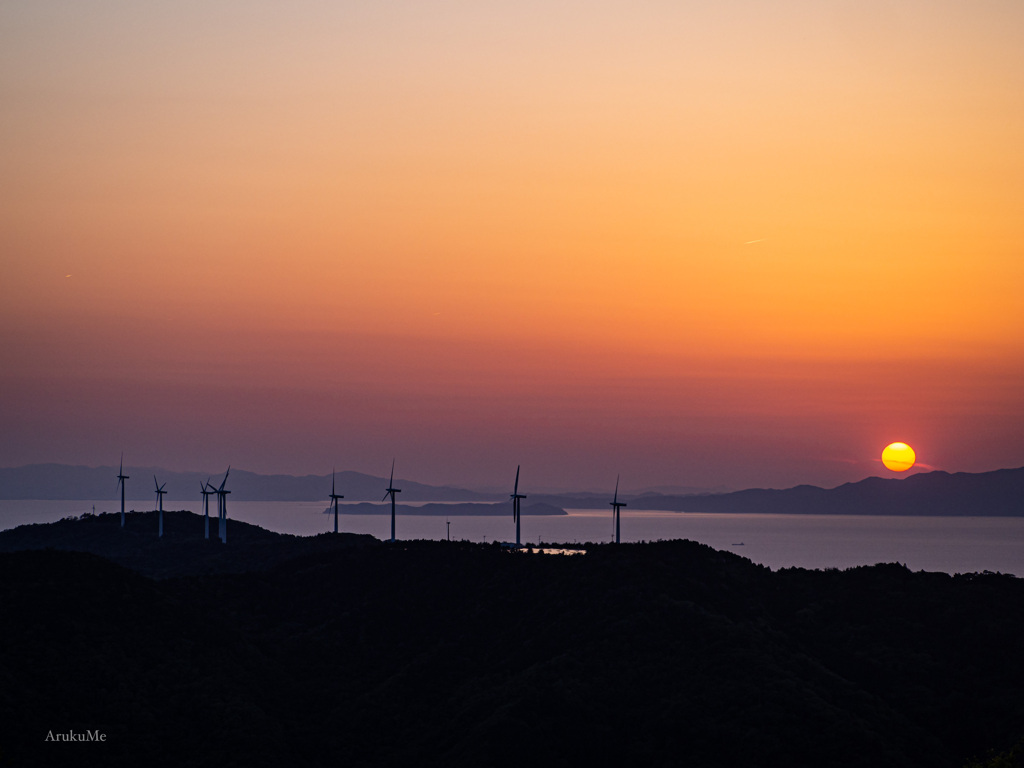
944 544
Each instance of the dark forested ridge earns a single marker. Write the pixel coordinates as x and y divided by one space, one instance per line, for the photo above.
183 548
347 651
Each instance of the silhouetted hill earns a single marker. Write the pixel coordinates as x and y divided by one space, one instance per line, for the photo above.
998 493
458 654
60 481
183 548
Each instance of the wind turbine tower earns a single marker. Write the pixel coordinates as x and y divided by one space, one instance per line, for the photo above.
121 477
222 507
334 498
391 491
206 489
516 496
160 504
616 506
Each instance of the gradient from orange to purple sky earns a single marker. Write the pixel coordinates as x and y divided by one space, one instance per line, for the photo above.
732 244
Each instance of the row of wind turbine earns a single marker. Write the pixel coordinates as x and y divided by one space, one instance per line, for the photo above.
207 489
516 497
391 491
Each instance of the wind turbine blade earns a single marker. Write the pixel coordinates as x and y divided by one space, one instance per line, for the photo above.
156 483
386 495
616 488
391 482
120 469
516 490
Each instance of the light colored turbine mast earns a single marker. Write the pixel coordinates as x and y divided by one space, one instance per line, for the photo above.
616 509
207 490
391 491
160 504
334 499
222 507
516 509
121 477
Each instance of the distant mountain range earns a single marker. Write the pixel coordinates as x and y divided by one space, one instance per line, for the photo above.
61 481
997 493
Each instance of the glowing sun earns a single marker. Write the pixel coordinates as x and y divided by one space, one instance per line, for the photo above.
899 457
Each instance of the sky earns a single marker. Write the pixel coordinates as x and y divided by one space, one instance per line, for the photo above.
715 245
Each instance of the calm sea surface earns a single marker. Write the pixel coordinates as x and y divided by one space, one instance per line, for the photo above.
948 544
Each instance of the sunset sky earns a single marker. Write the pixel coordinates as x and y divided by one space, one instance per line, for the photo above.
698 244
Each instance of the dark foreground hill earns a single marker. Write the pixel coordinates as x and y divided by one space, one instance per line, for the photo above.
458 654
184 548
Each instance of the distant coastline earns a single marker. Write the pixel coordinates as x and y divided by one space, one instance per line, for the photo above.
997 493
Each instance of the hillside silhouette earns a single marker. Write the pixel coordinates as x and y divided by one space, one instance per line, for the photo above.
996 494
363 653
183 550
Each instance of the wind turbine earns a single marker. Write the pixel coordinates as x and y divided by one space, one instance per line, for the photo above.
391 491
334 498
121 477
516 496
222 507
616 506
206 489
160 502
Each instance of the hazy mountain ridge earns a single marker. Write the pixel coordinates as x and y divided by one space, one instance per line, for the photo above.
998 493
61 481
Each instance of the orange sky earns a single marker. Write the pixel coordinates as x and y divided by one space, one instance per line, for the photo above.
746 244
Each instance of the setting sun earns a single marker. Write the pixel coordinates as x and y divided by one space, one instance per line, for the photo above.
899 457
